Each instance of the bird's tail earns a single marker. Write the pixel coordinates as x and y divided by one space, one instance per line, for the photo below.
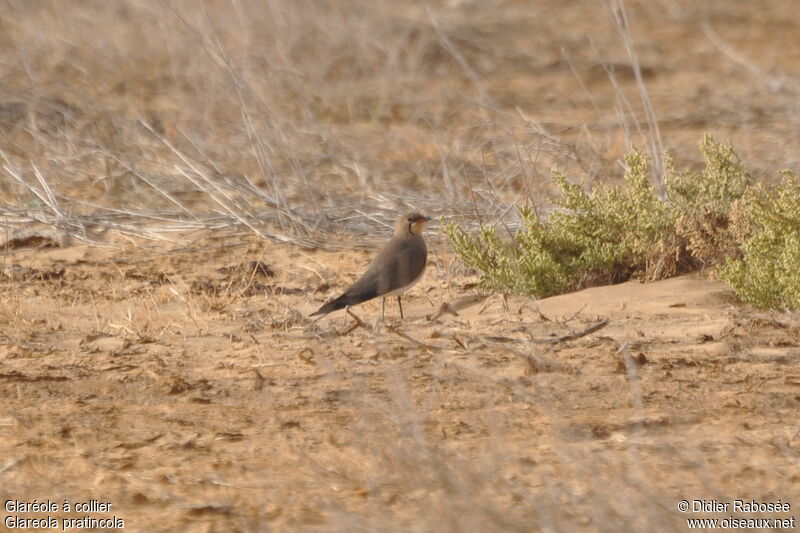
333 305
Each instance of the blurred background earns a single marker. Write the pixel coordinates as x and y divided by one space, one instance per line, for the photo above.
185 384
315 115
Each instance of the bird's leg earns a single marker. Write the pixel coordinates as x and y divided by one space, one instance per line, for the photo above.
383 309
400 303
346 312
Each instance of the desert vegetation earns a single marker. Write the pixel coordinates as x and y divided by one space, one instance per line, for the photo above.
183 182
714 218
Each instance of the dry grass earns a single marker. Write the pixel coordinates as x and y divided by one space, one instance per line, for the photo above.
295 119
224 133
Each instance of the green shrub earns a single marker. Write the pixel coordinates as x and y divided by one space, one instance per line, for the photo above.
528 264
766 227
603 236
611 233
702 202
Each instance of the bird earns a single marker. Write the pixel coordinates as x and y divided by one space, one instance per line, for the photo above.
396 268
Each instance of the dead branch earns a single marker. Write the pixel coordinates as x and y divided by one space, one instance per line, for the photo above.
457 305
572 336
410 339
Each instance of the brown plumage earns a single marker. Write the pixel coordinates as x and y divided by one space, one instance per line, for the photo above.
396 268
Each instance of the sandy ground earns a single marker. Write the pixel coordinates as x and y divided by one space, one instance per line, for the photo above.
184 384
189 390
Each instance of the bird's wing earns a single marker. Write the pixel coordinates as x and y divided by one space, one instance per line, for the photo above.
400 263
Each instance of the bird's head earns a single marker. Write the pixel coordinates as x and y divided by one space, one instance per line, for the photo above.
412 223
